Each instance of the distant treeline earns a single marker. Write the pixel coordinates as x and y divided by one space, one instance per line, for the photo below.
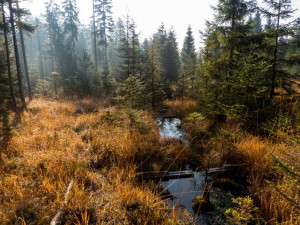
239 71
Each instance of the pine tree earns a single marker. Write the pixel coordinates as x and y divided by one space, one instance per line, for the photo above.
16 50
229 56
113 47
41 62
171 57
189 57
85 70
152 72
71 23
23 26
8 65
257 26
55 42
129 50
105 25
279 10
95 37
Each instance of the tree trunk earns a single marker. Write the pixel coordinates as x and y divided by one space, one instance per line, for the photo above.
152 81
275 53
51 48
8 60
95 39
12 22
24 58
42 73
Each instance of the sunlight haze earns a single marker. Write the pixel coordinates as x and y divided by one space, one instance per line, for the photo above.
150 14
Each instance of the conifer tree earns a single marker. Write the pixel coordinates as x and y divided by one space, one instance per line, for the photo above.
71 23
171 57
152 72
189 57
16 50
21 26
129 50
41 61
7 50
279 10
104 21
56 46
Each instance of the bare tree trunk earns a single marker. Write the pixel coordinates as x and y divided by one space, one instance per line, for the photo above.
12 22
25 58
8 60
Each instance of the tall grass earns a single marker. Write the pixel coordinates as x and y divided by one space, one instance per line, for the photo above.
229 143
98 147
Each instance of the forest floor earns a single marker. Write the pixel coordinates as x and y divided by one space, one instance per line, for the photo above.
100 148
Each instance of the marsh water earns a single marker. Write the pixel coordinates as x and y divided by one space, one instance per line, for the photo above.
182 190
170 127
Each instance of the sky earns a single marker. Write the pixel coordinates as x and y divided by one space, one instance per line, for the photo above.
150 14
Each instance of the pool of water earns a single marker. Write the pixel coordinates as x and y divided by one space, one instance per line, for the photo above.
171 128
184 190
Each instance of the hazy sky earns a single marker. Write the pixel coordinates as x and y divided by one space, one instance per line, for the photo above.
149 14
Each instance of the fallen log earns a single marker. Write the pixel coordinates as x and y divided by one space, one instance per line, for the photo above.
167 116
225 168
164 175
58 215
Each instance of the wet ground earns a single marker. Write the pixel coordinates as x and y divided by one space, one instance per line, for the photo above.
184 190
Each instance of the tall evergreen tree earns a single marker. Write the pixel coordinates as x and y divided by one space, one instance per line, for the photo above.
152 73
21 26
171 57
129 50
71 23
55 43
7 50
279 11
189 57
103 18
16 50
39 44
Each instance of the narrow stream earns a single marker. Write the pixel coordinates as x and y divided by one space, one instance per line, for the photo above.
183 190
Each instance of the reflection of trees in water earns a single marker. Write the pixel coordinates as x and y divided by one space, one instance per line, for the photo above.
169 128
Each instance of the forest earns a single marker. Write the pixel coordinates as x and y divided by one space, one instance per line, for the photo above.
98 126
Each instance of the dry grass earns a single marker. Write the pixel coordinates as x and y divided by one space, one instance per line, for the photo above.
230 144
256 154
60 141
179 108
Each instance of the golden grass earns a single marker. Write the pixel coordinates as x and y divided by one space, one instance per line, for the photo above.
256 154
231 144
179 108
71 139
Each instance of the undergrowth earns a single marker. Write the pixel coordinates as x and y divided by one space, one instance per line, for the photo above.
230 143
98 147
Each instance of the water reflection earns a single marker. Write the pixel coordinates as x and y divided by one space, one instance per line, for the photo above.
170 128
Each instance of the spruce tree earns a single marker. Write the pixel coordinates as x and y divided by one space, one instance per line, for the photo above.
279 11
129 50
189 57
71 23
7 51
104 21
16 50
